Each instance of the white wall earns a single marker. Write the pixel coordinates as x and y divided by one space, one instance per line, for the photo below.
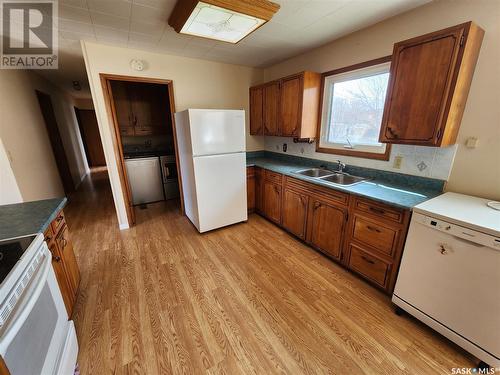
25 138
197 84
474 171
9 191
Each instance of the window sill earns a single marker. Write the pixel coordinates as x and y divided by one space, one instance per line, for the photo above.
357 154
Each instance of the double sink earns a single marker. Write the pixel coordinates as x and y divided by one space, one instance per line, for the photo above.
336 178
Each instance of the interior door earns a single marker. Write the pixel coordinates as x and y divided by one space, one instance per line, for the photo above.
327 227
271 108
421 73
295 212
291 106
55 141
89 130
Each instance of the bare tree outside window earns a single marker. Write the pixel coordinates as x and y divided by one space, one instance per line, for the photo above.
357 106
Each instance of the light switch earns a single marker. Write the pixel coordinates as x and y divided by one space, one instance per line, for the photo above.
471 142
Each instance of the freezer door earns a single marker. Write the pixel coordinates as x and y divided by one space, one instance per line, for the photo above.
217 131
145 180
221 190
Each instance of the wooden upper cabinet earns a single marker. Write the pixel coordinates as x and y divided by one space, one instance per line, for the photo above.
299 105
256 110
295 212
327 224
123 109
286 107
271 98
291 105
428 86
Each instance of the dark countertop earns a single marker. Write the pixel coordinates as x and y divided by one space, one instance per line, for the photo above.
379 189
22 219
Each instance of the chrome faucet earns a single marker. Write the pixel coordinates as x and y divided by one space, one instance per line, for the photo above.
340 166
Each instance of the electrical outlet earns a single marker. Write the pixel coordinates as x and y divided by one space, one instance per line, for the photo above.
398 160
285 146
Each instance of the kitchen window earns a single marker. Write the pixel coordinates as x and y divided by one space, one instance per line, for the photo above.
352 109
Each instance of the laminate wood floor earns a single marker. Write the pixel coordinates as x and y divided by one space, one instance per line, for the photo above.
160 298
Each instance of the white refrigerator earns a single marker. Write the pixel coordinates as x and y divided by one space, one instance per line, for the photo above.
212 158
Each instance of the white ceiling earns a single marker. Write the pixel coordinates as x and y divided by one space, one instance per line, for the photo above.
299 25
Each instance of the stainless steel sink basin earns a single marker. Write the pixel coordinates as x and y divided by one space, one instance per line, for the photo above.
315 172
343 179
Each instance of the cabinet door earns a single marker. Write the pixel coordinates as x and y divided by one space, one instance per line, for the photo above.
419 89
68 259
62 279
142 99
272 201
327 227
256 110
258 190
250 189
295 212
291 106
271 107
121 100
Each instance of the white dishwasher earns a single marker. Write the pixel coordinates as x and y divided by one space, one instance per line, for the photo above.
450 272
144 176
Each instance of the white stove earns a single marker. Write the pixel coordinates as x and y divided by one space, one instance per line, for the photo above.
36 336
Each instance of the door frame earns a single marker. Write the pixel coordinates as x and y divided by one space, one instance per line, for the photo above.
106 80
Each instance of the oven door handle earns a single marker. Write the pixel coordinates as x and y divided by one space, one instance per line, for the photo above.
26 303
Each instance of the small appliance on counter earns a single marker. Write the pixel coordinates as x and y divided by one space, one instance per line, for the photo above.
36 336
211 144
449 276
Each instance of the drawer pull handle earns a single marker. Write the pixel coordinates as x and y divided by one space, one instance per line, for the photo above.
369 227
377 210
367 260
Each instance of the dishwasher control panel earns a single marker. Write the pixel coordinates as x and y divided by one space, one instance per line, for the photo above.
478 238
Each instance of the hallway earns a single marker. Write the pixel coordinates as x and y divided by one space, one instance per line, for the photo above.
160 298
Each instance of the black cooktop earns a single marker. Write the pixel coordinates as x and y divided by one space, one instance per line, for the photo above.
10 252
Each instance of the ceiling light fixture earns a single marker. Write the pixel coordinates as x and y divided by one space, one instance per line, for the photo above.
224 20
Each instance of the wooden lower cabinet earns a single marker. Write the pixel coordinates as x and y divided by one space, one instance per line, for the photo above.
327 224
365 236
271 201
295 212
63 260
251 189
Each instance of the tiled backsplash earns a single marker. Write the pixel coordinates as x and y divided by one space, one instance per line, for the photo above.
421 161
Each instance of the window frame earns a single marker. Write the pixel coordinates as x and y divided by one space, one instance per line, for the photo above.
346 151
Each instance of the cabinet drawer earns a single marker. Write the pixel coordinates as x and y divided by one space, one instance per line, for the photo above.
273 176
379 210
58 223
369 266
374 234
330 195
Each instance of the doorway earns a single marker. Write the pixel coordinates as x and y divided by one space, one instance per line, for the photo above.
49 118
89 130
142 113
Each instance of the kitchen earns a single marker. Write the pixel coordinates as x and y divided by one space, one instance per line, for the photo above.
325 213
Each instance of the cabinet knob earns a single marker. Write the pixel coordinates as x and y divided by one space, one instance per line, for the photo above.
56 258
59 218
317 205
48 238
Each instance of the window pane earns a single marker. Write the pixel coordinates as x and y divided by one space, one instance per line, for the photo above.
357 108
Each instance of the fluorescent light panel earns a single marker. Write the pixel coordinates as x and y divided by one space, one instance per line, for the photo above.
210 21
